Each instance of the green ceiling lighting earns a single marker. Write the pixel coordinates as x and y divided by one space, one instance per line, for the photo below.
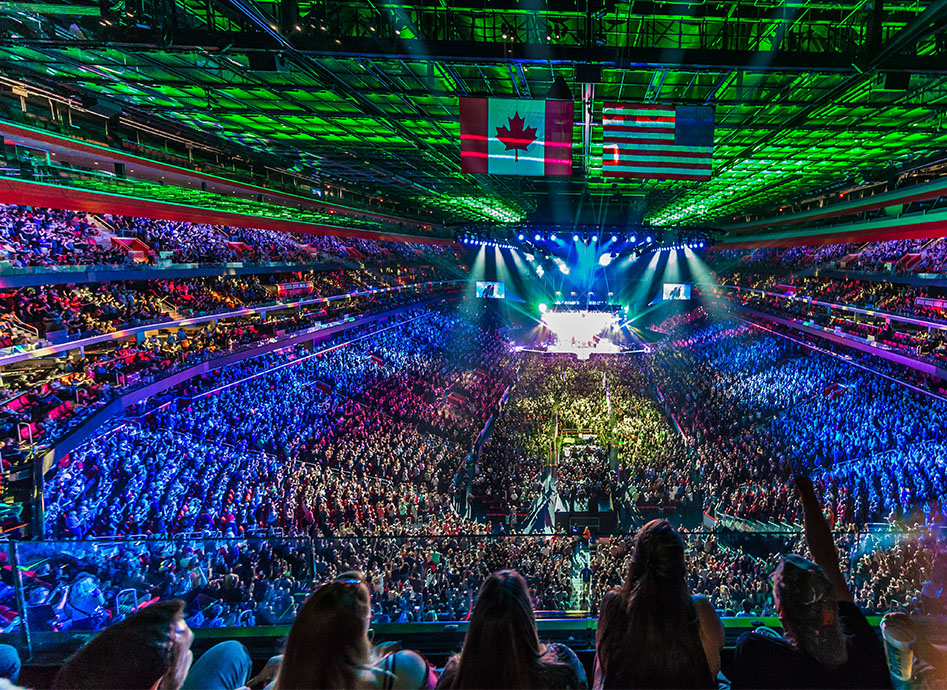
356 93
491 209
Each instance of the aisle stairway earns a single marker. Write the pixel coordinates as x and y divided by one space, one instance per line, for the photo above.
581 558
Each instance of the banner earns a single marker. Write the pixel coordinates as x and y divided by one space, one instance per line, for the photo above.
500 136
660 142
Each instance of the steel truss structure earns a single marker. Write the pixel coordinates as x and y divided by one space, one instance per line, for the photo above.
810 97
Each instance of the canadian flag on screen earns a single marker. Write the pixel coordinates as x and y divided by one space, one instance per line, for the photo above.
502 136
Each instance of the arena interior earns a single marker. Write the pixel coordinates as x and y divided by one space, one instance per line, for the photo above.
376 300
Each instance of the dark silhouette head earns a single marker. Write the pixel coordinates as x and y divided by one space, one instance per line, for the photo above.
150 646
807 608
328 645
501 649
648 629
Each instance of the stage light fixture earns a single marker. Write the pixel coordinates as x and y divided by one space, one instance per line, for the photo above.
537 237
605 259
648 238
614 238
564 269
553 237
575 238
594 238
633 238
543 307
521 237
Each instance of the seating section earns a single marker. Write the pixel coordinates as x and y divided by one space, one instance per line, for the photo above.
47 237
895 256
88 381
757 408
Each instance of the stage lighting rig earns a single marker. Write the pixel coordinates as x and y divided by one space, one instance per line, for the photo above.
484 241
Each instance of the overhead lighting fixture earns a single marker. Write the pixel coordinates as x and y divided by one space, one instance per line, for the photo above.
575 238
605 259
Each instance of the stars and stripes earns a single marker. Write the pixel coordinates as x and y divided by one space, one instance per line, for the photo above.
657 142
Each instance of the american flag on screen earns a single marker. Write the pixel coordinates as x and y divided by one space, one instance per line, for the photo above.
658 142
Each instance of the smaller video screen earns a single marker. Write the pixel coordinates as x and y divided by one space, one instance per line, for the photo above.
677 291
488 289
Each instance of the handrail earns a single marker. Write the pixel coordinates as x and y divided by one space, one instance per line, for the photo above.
845 464
192 321
144 390
25 276
32 330
894 316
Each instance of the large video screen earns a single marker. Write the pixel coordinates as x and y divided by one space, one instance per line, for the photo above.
677 291
488 289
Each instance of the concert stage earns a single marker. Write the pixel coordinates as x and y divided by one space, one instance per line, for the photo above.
583 333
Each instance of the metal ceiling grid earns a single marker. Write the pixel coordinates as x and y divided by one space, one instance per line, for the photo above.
387 119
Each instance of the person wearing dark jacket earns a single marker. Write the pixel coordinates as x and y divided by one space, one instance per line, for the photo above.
827 642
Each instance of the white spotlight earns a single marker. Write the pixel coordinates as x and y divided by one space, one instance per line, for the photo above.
605 259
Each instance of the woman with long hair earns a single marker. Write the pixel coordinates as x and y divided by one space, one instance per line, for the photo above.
652 633
328 645
502 648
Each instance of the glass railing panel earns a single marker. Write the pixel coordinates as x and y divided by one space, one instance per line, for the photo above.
436 578
12 630
74 587
84 586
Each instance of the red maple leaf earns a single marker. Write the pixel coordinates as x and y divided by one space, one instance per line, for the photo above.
516 137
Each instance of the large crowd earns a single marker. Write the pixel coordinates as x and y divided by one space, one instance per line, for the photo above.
32 236
757 407
43 404
63 312
410 451
915 256
645 593
366 441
